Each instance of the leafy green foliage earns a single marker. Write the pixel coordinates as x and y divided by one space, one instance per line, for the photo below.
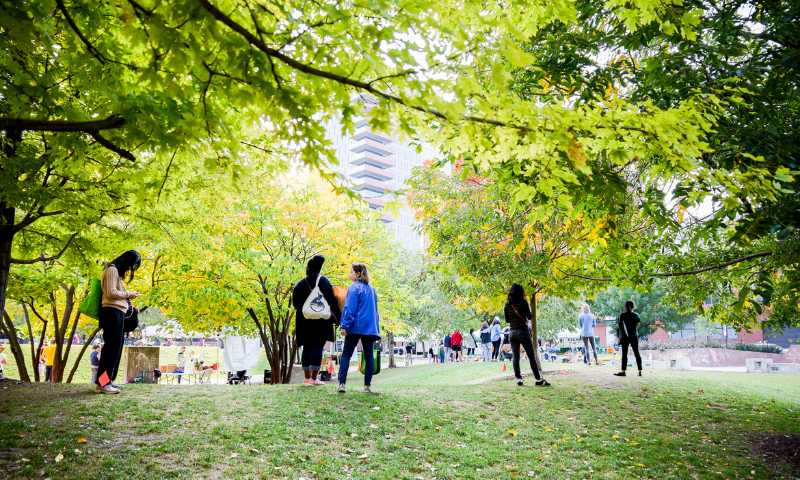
651 307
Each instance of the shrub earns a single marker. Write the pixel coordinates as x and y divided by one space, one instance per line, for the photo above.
703 343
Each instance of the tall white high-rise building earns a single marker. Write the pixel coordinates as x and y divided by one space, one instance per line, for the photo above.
376 163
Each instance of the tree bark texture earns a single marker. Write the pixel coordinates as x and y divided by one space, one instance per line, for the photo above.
390 341
16 350
80 354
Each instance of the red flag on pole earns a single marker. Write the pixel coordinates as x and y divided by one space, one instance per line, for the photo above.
504 366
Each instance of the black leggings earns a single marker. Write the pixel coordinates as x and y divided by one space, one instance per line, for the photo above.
522 336
634 343
112 320
586 356
496 349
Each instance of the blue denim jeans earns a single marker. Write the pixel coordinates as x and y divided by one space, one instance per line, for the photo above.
350 342
311 359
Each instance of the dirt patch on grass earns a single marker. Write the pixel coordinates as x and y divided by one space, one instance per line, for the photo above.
780 451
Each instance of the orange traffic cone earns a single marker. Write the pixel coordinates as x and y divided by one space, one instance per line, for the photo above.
330 368
359 365
504 366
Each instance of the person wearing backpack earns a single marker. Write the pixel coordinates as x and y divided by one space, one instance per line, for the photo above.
486 340
114 303
313 297
628 336
360 322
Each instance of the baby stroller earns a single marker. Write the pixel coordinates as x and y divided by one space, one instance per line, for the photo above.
238 378
505 354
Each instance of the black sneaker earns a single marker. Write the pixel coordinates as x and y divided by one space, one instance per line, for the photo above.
620 374
640 373
542 383
519 382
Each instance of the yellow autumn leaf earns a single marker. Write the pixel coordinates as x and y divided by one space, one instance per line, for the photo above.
81 440
513 432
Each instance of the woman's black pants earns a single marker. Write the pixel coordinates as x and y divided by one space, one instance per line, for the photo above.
634 343
495 349
522 336
111 320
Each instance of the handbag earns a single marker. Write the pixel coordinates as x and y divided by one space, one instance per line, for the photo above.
316 307
363 363
131 320
90 306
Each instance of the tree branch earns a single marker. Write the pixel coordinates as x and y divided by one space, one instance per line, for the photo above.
42 258
110 123
75 29
104 142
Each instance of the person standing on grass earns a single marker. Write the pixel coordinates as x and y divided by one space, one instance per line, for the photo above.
115 302
360 322
587 322
628 326
441 352
431 357
313 334
496 335
94 359
181 362
409 360
518 312
455 343
486 340
50 356
471 344
448 348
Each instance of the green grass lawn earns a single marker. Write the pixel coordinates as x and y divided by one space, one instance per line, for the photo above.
452 421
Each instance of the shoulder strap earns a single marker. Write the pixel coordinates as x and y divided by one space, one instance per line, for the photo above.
515 311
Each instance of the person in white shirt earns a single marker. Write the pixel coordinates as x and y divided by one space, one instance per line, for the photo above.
3 361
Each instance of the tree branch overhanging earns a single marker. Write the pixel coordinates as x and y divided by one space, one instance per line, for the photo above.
42 258
31 124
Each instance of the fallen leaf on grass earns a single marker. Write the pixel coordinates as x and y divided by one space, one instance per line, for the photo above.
372 425
353 435
233 455
513 432
253 450
376 408
363 456
59 457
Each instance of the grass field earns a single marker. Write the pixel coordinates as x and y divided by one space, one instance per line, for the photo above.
452 421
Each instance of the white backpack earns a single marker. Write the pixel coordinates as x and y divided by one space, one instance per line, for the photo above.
316 307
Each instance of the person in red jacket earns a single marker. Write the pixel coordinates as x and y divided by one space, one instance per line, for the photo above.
455 341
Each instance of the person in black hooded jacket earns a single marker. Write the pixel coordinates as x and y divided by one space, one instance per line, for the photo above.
313 334
628 326
517 313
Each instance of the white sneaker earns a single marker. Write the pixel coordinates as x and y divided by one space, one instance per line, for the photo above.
367 389
342 388
107 389
118 387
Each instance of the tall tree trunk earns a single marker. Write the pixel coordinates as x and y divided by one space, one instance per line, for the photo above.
534 331
34 360
11 332
7 220
390 339
80 354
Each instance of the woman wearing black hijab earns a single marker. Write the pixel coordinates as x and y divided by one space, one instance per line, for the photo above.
517 313
313 334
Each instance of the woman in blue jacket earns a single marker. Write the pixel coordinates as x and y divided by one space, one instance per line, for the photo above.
587 322
360 322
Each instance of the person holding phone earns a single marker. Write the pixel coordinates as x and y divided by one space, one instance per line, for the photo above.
114 304
628 336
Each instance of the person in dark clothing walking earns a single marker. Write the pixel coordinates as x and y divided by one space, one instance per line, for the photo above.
517 313
313 334
628 326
